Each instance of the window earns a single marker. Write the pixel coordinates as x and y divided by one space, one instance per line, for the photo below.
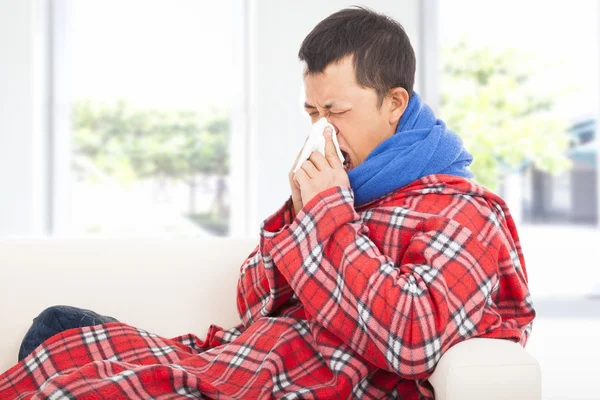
519 82
521 88
150 117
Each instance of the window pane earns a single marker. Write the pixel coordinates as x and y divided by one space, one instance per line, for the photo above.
520 84
150 117
522 89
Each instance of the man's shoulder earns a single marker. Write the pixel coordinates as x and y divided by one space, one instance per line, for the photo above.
434 190
439 197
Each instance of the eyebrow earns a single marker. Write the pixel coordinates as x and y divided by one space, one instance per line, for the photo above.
327 106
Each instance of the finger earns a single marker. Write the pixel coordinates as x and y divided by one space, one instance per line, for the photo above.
330 151
292 172
301 177
300 152
319 161
309 168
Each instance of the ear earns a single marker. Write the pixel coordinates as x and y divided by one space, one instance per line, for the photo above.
398 101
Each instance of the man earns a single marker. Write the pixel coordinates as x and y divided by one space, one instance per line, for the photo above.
361 281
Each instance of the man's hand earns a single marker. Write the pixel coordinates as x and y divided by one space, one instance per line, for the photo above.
296 195
319 173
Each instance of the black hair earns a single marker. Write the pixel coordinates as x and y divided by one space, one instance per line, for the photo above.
382 53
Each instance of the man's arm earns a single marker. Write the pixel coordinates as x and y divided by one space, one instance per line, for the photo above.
261 288
400 316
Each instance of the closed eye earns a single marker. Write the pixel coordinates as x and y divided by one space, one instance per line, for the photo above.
340 113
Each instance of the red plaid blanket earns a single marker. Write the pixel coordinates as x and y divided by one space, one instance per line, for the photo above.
335 303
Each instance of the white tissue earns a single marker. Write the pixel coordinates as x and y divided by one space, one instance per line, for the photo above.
316 142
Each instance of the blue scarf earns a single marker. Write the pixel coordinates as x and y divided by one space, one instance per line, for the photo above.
421 146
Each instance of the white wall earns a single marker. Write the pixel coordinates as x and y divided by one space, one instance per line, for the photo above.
22 159
277 124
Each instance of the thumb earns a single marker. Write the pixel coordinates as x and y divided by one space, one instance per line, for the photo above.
330 151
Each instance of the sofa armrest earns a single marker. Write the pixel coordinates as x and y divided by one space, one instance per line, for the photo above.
491 369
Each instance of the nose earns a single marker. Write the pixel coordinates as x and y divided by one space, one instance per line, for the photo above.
334 126
324 113
329 119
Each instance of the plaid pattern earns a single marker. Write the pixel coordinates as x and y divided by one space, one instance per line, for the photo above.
335 303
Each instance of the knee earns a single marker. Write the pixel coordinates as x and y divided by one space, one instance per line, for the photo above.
54 316
47 324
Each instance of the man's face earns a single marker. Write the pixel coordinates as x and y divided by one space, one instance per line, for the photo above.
360 123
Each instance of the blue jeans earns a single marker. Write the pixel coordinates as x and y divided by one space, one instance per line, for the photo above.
57 319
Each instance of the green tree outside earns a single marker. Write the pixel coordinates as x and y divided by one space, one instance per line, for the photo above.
504 121
130 143
486 98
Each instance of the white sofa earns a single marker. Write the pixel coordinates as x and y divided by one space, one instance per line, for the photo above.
172 287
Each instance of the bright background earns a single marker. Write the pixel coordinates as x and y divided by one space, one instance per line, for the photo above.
181 118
